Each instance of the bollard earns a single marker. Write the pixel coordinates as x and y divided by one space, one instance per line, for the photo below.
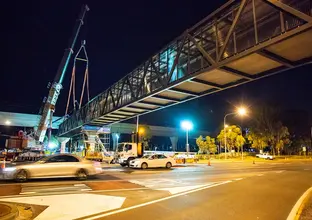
208 162
253 162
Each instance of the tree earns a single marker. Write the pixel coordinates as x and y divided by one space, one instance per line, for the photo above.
207 145
239 142
297 144
268 130
201 144
280 137
211 142
234 137
258 140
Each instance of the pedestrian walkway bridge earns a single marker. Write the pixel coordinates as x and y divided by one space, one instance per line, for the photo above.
242 41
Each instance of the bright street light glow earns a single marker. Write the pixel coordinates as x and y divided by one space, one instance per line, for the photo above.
226 126
187 125
141 130
7 122
117 136
52 145
242 111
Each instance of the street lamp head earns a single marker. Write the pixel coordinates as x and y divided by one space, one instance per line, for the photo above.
187 125
141 130
226 126
242 111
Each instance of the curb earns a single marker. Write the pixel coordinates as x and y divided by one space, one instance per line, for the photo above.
13 214
298 207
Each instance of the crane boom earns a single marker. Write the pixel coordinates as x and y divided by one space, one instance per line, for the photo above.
56 87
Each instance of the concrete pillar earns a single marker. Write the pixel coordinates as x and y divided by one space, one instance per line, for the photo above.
174 142
63 142
116 139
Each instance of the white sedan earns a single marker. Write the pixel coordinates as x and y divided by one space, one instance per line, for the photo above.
60 165
153 161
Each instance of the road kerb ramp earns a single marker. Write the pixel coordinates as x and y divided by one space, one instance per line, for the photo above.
296 211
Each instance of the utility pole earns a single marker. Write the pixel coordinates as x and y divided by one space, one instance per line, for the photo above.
137 130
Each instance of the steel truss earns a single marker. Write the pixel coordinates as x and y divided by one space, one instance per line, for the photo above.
237 29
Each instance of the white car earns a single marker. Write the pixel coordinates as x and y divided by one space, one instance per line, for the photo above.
265 156
59 165
153 161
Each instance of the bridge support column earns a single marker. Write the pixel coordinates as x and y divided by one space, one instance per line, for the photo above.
116 138
174 142
63 142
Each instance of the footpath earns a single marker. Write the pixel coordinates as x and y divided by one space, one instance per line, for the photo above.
305 211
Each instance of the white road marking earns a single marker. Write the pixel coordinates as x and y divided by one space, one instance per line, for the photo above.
155 201
293 213
76 205
280 171
25 193
79 184
159 183
114 170
306 169
47 189
179 189
238 179
261 174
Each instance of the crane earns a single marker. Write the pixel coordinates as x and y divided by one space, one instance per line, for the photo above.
55 89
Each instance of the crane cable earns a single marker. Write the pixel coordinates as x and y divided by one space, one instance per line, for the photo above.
73 79
86 79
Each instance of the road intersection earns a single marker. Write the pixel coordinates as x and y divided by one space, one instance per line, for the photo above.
265 190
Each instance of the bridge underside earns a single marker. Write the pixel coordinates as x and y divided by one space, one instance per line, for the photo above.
241 42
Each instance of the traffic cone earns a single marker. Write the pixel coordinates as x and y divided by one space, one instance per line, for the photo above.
208 162
3 164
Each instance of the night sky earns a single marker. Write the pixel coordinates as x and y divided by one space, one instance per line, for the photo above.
121 35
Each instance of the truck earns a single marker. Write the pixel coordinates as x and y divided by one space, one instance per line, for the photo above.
127 151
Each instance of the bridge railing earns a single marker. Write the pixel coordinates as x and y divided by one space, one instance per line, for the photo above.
234 28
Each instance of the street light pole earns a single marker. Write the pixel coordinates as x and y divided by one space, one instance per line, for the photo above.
240 111
242 147
187 144
187 126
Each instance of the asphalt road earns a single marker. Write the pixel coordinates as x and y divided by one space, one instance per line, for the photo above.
265 190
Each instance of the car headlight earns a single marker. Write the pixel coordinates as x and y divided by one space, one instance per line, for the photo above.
9 169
